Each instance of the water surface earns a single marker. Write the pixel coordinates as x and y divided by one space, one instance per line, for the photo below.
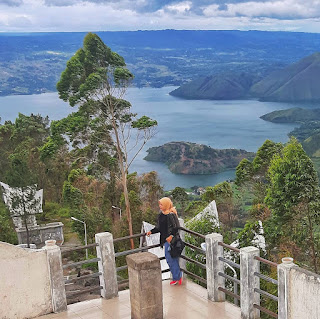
220 124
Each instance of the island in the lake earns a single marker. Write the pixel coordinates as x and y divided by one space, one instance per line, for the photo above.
308 133
292 115
193 159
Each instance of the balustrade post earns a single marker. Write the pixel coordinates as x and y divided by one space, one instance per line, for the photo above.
58 292
248 282
284 287
214 266
145 286
107 265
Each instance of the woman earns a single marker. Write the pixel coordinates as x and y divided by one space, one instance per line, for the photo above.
168 228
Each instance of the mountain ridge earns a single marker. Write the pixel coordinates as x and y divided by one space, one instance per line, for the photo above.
297 82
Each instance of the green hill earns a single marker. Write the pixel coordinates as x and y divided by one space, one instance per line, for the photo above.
219 87
312 145
292 115
191 158
308 133
297 82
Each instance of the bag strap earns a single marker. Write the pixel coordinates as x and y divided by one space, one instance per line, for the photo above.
175 220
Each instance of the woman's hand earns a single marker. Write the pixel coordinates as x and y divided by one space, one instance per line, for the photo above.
148 233
168 239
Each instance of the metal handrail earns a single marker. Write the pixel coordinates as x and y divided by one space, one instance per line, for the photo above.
122 268
237 250
262 292
189 273
203 266
267 311
229 262
237 281
67 250
136 250
193 232
87 261
266 278
71 293
165 270
229 293
124 281
68 281
128 237
200 250
266 261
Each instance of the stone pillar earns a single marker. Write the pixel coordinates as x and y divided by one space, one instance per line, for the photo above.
58 292
214 266
182 262
284 287
145 286
107 265
248 282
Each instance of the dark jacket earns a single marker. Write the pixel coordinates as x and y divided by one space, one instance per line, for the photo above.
167 225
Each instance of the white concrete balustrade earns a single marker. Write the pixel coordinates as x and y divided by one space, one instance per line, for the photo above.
31 285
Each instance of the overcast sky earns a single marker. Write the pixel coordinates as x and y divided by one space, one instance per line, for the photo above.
114 15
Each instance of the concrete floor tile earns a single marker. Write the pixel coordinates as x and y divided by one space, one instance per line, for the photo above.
84 305
65 315
229 308
93 313
115 310
188 301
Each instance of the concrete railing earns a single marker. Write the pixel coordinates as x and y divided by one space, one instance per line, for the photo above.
298 289
32 280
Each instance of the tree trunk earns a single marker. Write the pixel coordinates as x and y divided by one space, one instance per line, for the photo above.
128 211
124 179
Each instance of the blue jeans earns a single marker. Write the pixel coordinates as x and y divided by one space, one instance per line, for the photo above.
172 262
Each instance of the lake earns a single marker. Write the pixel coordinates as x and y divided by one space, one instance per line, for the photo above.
220 124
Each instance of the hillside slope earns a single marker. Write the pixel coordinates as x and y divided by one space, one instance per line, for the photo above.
292 115
297 82
225 86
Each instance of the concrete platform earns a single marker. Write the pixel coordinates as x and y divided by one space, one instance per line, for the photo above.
188 301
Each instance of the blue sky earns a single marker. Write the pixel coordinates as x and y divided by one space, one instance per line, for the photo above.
116 15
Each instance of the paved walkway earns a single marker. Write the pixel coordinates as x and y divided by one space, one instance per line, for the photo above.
188 301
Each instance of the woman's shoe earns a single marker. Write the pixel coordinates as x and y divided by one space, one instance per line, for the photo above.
174 282
180 281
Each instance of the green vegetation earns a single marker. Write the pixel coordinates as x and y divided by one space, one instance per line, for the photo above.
309 131
96 79
285 185
79 160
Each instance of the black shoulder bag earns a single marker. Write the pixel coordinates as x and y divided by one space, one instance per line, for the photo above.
176 244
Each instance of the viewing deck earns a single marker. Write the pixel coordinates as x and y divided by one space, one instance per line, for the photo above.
179 302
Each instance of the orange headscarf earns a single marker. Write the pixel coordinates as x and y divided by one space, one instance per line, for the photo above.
167 205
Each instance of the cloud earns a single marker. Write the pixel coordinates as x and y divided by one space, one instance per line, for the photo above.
59 3
11 3
112 15
280 9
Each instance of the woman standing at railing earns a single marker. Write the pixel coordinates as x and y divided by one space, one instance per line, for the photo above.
168 226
